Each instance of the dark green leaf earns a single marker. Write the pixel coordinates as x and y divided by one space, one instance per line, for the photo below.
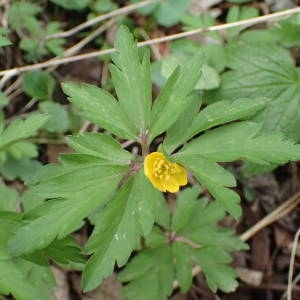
65 252
216 180
213 115
38 84
9 199
97 182
15 281
102 146
264 69
132 80
224 144
101 108
19 129
129 215
151 275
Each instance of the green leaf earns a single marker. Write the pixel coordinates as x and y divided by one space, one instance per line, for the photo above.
224 144
58 117
127 216
192 22
264 69
71 4
208 80
57 218
100 145
22 14
238 1
22 149
287 31
173 99
3 98
182 125
8 220
215 179
23 168
183 261
99 107
169 12
217 275
65 252
18 130
237 13
4 41
151 275
38 84
213 115
9 199
31 200
132 80
198 241
16 282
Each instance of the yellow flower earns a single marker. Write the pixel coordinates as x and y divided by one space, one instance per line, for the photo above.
164 175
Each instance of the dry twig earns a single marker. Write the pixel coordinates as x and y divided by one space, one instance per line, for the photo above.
7 74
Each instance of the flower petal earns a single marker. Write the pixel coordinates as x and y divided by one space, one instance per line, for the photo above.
170 185
180 175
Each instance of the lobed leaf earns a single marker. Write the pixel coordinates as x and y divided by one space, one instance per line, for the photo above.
151 275
15 281
126 217
263 69
173 99
19 129
97 183
241 141
215 179
100 107
212 115
132 80
102 146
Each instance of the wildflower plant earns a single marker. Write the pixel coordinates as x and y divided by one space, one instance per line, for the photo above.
122 194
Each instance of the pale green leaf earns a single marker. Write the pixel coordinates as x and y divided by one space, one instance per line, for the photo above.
173 100
209 79
237 13
169 12
58 117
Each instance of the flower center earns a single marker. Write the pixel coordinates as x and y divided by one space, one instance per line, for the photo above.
163 169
